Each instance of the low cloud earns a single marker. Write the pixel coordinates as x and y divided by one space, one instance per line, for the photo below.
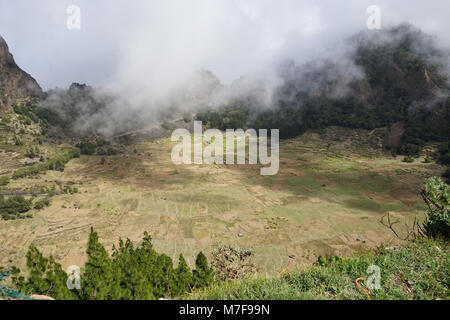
153 54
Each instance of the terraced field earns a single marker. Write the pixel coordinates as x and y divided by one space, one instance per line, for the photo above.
327 199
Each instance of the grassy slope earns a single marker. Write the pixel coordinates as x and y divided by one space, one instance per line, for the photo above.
416 271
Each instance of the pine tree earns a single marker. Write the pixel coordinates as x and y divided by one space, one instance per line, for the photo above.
46 277
129 271
184 276
148 264
164 277
116 292
57 278
98 278
37 267
203 274
135 273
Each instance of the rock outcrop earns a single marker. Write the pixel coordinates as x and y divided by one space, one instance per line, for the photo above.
14 82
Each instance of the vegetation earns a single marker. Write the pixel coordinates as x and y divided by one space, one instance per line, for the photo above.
231 263
32 152
70 190
100 147
444 153
4 180
416 271
30 110
129 273
87 148
50 191
446 175
437 197
14 207
17 141
408 159
5 121
25 111
57 164
46 276
374 102
203 275
419 270
106 151
40 204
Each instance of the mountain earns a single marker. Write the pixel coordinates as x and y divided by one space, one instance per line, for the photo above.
395 78
398 77
14 82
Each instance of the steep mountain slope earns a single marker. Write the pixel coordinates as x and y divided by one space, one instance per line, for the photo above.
14 82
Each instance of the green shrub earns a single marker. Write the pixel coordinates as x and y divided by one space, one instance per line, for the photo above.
39 140
40 204
4 180
5 121
17 141
47 116
14 207
27 121
50 191
408 159
70 190
436 194
33 152
106 152
87 148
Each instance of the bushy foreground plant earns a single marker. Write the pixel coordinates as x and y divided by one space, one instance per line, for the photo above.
436 195
232 263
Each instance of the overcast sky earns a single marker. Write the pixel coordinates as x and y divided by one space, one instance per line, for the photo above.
121 42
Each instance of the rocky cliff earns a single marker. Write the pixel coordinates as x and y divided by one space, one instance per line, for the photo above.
14 82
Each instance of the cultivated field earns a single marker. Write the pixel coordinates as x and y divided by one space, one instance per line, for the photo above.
327 199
